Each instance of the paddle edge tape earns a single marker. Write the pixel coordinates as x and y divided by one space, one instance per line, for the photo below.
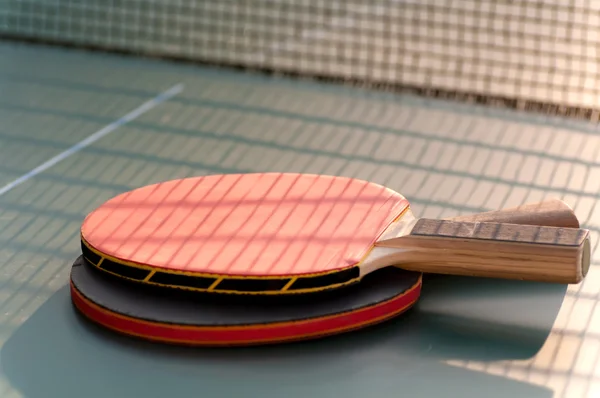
245 335
216 283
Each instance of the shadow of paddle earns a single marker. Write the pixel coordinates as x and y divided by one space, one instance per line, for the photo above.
56 353
515 314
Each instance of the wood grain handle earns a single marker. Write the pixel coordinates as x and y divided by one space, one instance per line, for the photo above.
551 213
498 250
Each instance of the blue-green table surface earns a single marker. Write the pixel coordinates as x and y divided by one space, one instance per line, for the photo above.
79 128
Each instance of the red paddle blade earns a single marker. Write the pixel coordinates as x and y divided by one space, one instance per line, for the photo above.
250 233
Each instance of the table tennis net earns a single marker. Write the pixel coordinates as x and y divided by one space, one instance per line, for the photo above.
536 55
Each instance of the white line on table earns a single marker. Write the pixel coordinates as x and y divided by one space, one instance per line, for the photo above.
145 107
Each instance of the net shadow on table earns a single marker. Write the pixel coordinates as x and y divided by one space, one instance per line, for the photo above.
433 155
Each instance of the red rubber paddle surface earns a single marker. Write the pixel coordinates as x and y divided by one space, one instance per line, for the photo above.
262 224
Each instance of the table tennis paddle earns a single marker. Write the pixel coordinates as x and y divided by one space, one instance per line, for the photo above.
190 318
200 319
289 233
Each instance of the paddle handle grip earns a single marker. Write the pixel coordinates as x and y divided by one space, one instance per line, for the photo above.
497 250
550 213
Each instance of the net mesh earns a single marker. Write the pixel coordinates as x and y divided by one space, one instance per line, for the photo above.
540 54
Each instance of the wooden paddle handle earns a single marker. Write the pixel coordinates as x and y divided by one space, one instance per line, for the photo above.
498 250
550 213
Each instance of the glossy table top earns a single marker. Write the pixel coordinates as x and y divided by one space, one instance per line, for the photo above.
466 338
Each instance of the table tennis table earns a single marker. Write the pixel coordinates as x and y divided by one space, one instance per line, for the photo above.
78 128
